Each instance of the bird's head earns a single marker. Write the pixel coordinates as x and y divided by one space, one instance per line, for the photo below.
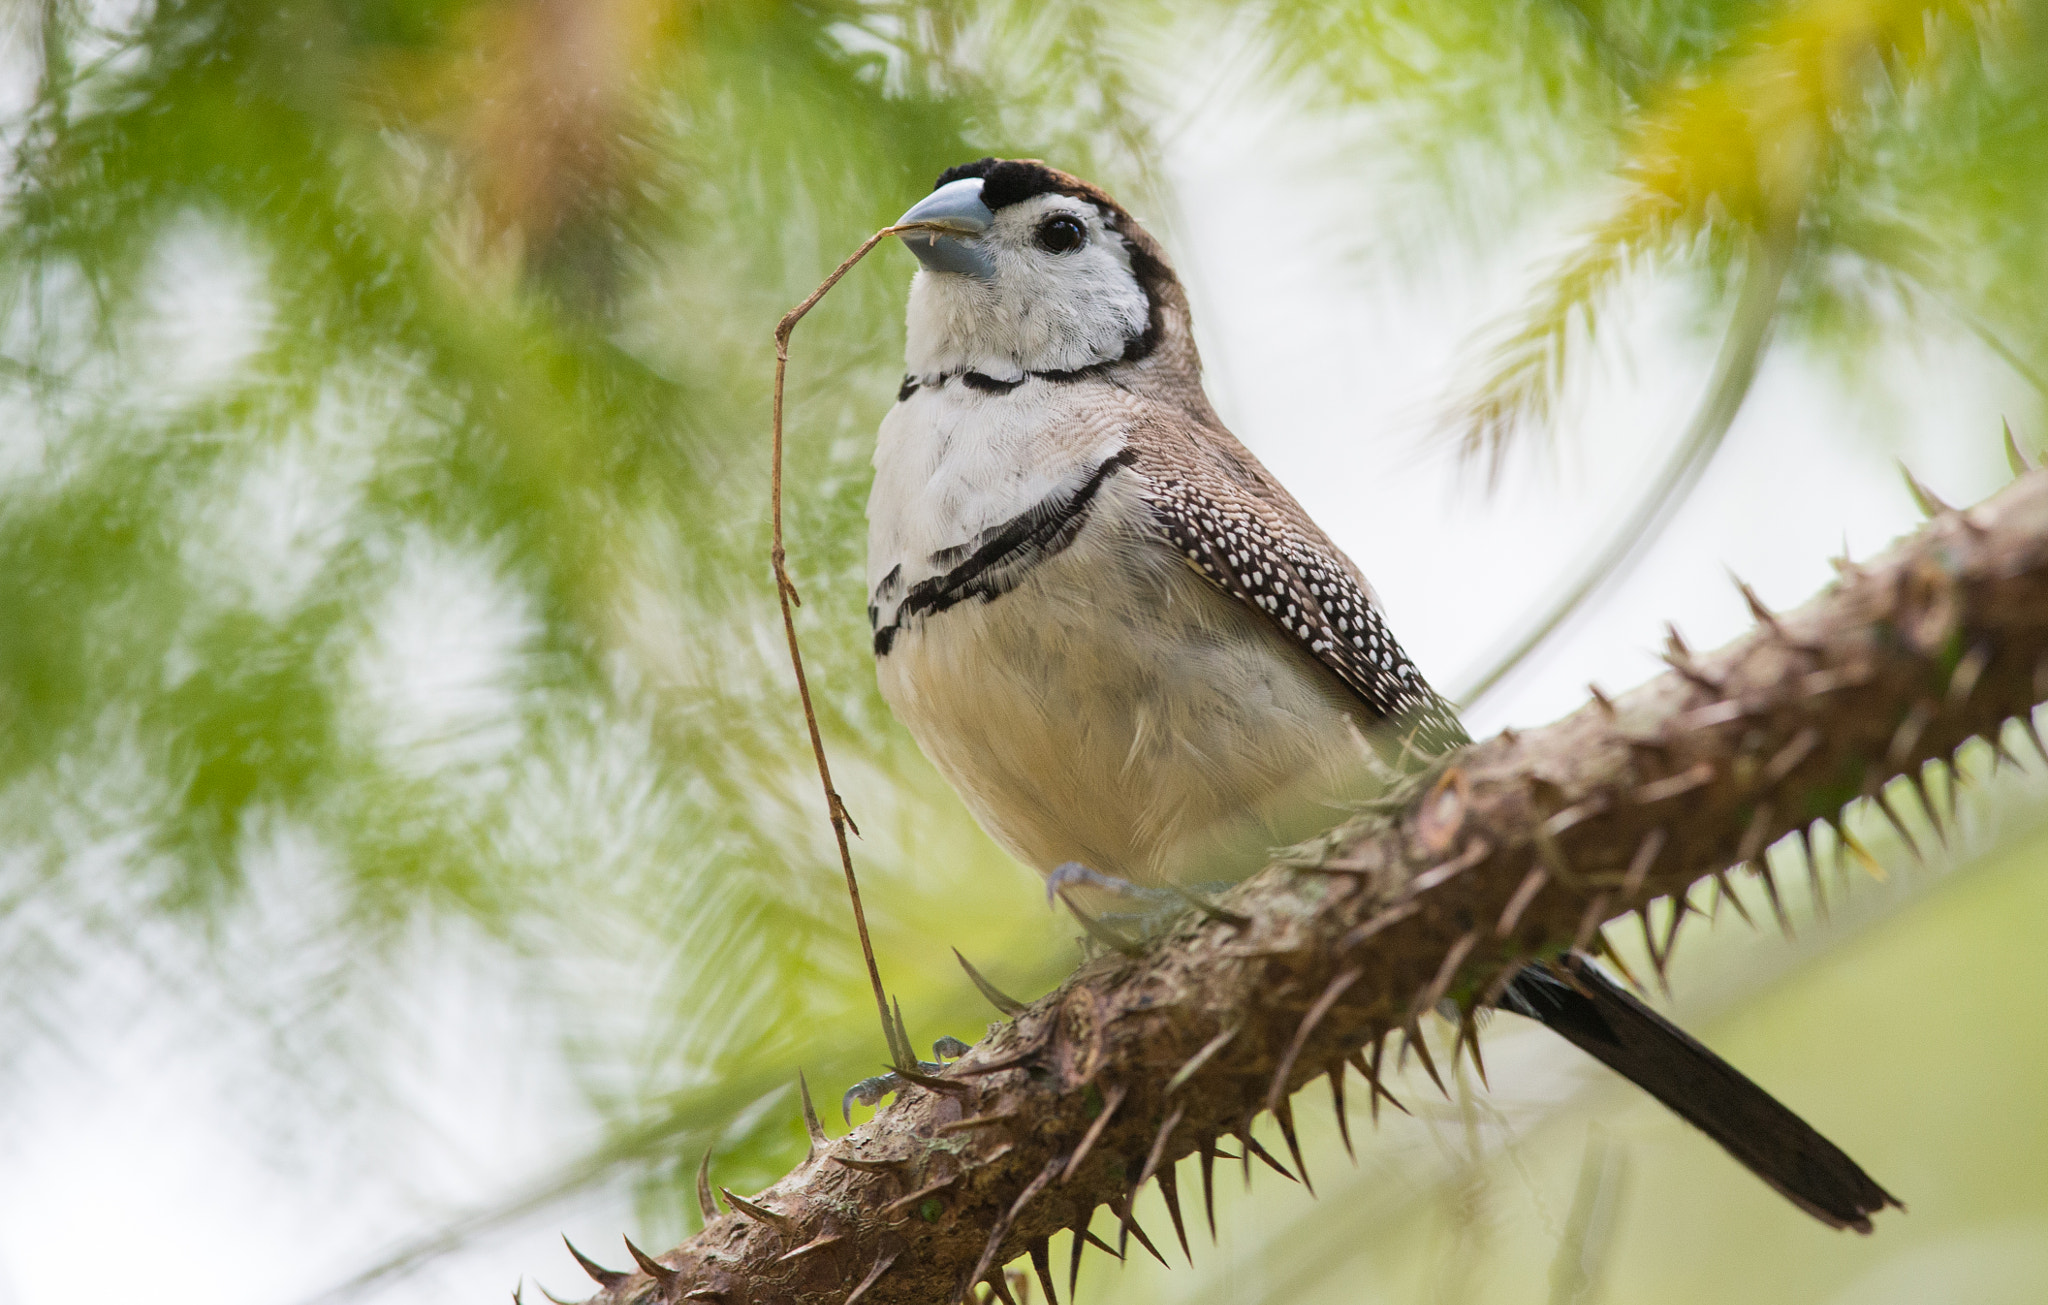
1029 269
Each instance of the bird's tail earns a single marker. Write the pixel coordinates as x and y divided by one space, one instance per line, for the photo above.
1577 1000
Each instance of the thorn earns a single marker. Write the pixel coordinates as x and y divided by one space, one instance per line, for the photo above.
870 1166
556 1299
882 1263
1041 1264
1252 1148
812 1127
1101 932
1813 879
1511 914
1681 906
1169 1192
1606 950
1445 972
518 1290
650 1266
1199 1059
999 1289
1646 855
1650 945
1763 615
976 1121
1606 704
1158 1150
2014 458
1004 1224
1335 1073
1757 835
2026 720
1969 669
1468 1035
1723 889
603 1277
1854 846
1589 923
951 1087
1209 910
1284 1116
1762 869
1084 1237
929 1189
706 1205
1001 1000
1789 757
1207 1149
1907 737
1929 504
817 1243
1110 1101
1413 1038
781 1223
1371 1071
1891 813
905 1058
1917 777
1276 1092
1125 1223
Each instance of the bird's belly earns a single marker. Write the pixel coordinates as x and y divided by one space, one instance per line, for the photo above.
1116 710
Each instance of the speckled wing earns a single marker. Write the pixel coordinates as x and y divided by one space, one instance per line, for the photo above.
1240 530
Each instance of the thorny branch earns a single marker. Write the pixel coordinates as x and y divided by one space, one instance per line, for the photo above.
1520 846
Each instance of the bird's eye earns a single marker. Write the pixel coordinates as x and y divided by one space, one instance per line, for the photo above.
1062 233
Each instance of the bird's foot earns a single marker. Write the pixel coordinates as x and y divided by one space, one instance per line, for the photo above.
870 1091
1151 910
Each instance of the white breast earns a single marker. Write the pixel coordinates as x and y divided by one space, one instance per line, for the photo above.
1113 708
952 462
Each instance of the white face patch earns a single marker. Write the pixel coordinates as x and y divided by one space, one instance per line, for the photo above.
1046 308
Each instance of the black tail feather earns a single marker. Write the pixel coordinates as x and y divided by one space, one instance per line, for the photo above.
1579 1002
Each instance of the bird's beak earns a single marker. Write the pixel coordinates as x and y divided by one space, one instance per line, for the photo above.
951 222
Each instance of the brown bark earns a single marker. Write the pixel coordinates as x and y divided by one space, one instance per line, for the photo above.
1521 846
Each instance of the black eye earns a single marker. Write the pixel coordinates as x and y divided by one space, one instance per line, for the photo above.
1062 233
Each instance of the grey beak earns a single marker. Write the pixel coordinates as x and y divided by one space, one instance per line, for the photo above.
955 219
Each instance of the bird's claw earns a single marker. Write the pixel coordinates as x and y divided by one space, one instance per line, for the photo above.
870 1091
1072 874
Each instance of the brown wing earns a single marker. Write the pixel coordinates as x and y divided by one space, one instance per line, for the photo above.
1251 540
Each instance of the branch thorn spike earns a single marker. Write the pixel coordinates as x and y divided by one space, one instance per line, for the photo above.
1127 1224
1336 1077
603 1277
1208 1153
1276 1091
781 1223
1468 1036
2014 457
1762 869
707 1205
812 1128
1110 1101
1725 890
1252 1148
1929 504
1041 1264
1413 1038
1001 1000
1169 1192
1284 1116
1884 804
883 1260
650 1266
